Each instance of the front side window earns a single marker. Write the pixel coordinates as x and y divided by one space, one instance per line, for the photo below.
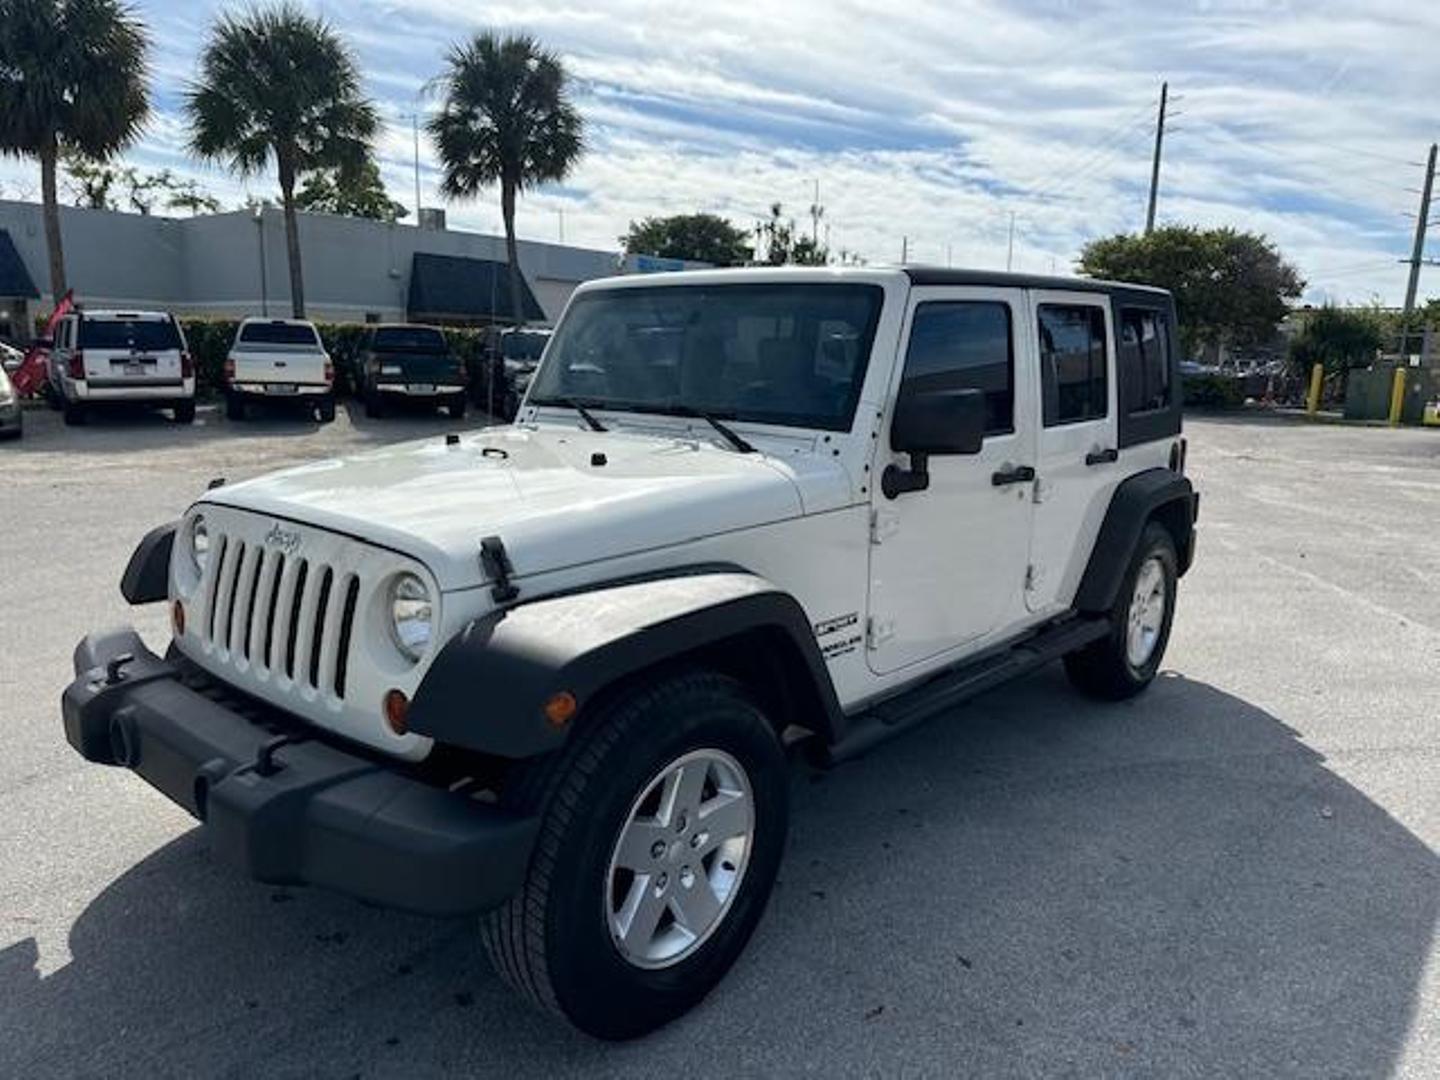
791 355
1073 363
965 345
1144 360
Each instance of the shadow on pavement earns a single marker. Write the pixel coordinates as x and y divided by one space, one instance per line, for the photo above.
1038 884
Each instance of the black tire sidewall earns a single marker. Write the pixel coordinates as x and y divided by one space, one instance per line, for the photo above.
595 986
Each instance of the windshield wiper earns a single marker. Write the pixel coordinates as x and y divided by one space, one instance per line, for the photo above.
578 406
727 433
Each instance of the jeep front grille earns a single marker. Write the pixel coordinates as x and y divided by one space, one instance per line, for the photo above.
281 615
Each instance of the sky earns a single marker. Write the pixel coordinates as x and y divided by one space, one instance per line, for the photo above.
927 125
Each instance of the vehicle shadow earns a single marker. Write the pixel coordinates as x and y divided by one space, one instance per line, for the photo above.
1036 885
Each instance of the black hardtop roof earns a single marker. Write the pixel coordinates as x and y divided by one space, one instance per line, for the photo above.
942 275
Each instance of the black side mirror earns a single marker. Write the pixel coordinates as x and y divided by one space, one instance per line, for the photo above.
932 421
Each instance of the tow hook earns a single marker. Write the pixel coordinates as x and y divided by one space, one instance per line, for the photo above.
114 672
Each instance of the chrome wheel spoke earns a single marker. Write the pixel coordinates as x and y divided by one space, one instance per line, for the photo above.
723 818
640 846
640 915
696 905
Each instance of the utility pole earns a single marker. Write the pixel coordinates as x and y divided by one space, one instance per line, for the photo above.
1010 247
560 213
415 130
1155 164
816 212
1417 254
904 250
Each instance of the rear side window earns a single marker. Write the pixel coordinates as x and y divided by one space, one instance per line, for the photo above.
1072 363
966 345
141 335
1144 360
263 333
409 339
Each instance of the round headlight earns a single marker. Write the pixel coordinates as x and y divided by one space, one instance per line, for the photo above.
411 615
199 543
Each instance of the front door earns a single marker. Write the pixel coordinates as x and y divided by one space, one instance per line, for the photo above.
1077 467
947 564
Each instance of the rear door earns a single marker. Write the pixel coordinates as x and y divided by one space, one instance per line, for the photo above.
1077 470
130 349
947 564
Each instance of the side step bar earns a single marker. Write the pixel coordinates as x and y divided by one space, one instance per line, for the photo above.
897 715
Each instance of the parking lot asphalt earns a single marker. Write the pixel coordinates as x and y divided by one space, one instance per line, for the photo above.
1235 874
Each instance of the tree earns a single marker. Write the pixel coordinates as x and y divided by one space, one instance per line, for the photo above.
91 184
277 84
505 118
351 192
700 237
1230 287
72 78
1338 338
785 247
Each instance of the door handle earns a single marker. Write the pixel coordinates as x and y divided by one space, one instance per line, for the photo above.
1016 474
1102 457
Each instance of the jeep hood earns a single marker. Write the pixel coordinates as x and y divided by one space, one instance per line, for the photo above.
556 497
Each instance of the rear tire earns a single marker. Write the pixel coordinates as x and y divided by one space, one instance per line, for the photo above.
184 412
374 407
1124 662
75 413
234 407
456 407
326 410
574 940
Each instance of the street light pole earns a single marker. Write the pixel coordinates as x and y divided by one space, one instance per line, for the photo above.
264 286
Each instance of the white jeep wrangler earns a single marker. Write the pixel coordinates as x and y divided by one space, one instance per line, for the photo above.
549 672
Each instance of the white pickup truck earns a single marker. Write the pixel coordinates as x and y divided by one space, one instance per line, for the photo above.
551 672
279 361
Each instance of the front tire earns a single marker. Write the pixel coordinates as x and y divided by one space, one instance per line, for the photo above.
662 829
1124 662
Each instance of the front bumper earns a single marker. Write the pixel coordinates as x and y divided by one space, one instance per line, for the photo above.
281 803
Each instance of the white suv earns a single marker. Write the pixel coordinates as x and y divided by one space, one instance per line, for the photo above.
121 357
279 360
550 672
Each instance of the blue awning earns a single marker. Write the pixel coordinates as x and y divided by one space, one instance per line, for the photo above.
15 283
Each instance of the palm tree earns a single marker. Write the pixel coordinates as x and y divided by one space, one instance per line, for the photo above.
72 78
278 84
506 118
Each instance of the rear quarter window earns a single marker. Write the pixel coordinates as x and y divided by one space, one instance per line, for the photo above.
1144 355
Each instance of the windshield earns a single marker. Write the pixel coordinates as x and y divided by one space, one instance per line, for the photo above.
418 339
522 345
776 354
145 335
279 333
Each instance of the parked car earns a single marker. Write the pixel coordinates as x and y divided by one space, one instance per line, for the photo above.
11 357
279 361
12 419
549 671
412 365
520 353
106 358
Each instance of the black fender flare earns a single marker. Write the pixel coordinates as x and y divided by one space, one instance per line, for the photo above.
488 687
147 574
1158 492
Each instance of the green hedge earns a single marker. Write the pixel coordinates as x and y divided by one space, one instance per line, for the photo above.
1214 391
210 341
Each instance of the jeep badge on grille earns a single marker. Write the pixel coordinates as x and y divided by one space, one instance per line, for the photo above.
284 539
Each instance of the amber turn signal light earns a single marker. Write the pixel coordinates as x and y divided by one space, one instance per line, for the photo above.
397 711
560 708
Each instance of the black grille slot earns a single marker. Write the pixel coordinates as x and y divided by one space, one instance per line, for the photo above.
347 623
218 561
229 626
299 599
317 639
272 613
248 629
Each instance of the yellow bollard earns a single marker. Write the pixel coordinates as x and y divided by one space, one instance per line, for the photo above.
1397 397
1317 380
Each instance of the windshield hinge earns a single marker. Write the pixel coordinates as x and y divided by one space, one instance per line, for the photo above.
495 562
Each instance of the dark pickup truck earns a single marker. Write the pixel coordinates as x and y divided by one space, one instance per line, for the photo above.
409 365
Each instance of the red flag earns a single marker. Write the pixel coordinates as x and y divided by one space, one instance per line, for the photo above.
33 371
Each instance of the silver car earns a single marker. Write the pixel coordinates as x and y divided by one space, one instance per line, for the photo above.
12 421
